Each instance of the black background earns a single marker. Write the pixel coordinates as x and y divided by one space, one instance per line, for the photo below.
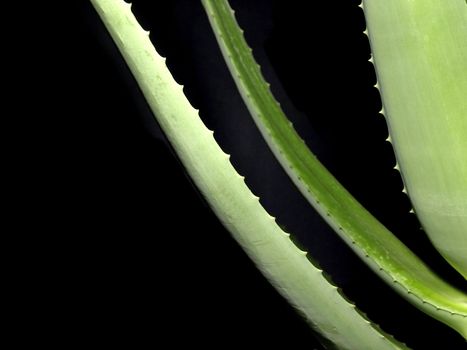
139 256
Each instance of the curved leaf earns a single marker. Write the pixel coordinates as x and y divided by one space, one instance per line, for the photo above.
377 246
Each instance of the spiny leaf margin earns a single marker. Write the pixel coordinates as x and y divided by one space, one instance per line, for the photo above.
378 247
420 56
286 266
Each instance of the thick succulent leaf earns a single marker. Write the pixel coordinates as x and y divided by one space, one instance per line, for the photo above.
420 54
377 246
286 266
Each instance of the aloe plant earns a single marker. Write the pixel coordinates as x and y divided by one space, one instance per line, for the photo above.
429 128
286 293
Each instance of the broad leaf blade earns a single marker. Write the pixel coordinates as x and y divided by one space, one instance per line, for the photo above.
420 54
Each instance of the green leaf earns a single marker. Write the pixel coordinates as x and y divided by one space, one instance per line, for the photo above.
286 266
378 247
420 54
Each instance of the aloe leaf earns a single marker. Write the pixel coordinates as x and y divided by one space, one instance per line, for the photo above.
420 54
286 266
376 245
